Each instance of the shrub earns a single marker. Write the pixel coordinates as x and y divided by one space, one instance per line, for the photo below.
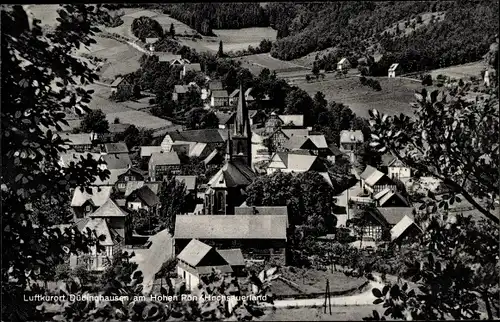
362 80
116 121
145 27
427 80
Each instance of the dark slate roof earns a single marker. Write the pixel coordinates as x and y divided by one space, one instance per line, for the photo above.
388 159
231 227
203 136
117 161
250 210
234 93
220 93
233 257
237 173
393 215
225 118
189 181
118 147
164 158
146 195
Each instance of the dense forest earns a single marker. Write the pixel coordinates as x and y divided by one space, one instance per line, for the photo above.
203 17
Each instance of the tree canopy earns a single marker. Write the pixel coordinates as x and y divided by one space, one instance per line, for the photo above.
94 121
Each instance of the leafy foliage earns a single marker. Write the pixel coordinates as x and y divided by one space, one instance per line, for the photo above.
94 121
145 27
172 199
39 59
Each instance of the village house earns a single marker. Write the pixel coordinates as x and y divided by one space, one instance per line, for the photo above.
113 131
212 137
213 160
122 84
150 43
214 85
81 142
132 174
178 61
394 70
84 203
113 244
314 144
117 218
394 168
350 141
179 92
374 181
116 161
132 186
292 162
258 237
248 96
190 67
111 180
167 58
198 259
390 198
146 151
406 230
292 120
219 98
143 198
343 65
378 222
163 163
192 150
116 148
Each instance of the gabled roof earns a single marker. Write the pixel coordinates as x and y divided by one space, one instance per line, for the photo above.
296 142
164 158
194 67
197 149
393 215
220 93
215 85
335 150
189 181
296 162
319 141
267 210
101 228
194 252
235 173
231 227
347 136
109 209
145 194
295 120
203 135
225 118
393 67
167 57
388 195
151 40
118 147
134 185
98 197
146 151
343 60
117 161
371 175
234 257
404 224
117 81
68 157
388 159
77 139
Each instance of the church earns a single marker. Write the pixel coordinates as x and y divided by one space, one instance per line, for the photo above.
226 189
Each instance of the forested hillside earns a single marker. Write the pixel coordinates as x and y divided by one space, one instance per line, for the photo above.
204 17
457 31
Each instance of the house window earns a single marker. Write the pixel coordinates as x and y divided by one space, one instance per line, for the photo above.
88 208
122 185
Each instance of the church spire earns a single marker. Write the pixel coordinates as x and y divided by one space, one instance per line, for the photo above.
242 125
229 146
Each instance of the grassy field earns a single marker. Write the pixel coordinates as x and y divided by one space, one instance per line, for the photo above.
339 313
394 98
260 61
460 71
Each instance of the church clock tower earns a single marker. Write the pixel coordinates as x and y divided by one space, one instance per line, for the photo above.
241 144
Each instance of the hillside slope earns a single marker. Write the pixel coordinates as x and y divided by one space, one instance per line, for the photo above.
461 32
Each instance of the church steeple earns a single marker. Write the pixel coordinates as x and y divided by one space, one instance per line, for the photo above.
229 147
241 141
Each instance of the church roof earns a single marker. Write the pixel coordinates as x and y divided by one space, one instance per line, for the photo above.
235 173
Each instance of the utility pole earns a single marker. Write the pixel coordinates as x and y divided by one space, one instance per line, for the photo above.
327 298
